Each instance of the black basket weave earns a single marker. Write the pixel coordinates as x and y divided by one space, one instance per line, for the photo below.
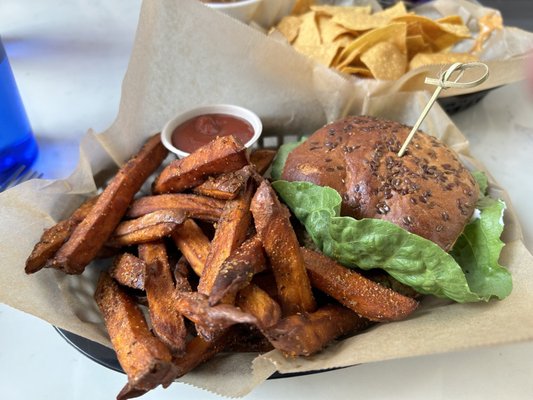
455 104
108 358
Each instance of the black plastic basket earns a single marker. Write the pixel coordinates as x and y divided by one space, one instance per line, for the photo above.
455 104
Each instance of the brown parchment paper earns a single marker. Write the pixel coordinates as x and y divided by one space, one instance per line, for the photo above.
178 63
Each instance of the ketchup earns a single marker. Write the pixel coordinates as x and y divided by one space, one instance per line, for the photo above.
199 131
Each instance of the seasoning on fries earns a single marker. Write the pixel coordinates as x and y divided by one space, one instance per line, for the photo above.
197 207
254 300
92 233
167 322
144 358
305 334
148 228
238 269
54 237
193 244
245 283
224 154
226 186
282 248
129 271
231 231
261 159
348 287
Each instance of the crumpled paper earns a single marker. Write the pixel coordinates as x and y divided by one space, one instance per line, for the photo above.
178 63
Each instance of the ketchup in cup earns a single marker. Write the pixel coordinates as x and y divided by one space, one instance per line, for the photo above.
196 127
200 130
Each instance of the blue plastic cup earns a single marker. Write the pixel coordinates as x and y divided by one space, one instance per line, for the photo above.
17 143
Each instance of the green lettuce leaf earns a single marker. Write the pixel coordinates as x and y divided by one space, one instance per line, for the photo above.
373 243
478 248
482 181
281 157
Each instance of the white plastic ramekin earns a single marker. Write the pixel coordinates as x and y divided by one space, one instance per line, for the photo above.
243 10
226 109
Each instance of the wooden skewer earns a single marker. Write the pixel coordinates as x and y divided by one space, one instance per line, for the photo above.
442 83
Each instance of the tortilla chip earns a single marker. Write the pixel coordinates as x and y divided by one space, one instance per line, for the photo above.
395 33
416 44
334 10
396 10
329 30
439 35
362 71
381 45
440 58
363 22
289 27
345 39
450 19
461 31
309 34
385 61
324 54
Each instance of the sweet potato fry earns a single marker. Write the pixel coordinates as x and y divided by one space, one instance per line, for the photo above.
281 246
267 282
386 280
198 207
230 233
258 303
199 351
182 267
92 233
365 297
144 358
167 322
261 159
181 275
195 307
238 270
129 271
130 392
224 154
193 244
226 186
248 339
108 252
148 228
54 237
305 334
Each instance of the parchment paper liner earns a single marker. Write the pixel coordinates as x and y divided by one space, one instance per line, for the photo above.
174 66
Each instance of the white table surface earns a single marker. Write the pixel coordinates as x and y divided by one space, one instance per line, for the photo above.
69 59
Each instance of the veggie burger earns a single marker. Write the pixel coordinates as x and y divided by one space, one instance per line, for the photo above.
368 208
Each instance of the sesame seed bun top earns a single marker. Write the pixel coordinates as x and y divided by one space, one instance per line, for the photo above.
427 191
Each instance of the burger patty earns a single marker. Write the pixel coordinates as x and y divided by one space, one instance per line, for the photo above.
427 191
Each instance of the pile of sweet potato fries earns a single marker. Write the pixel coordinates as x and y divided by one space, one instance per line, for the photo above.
214 258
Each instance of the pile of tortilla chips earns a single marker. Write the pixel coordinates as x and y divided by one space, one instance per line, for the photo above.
382 45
